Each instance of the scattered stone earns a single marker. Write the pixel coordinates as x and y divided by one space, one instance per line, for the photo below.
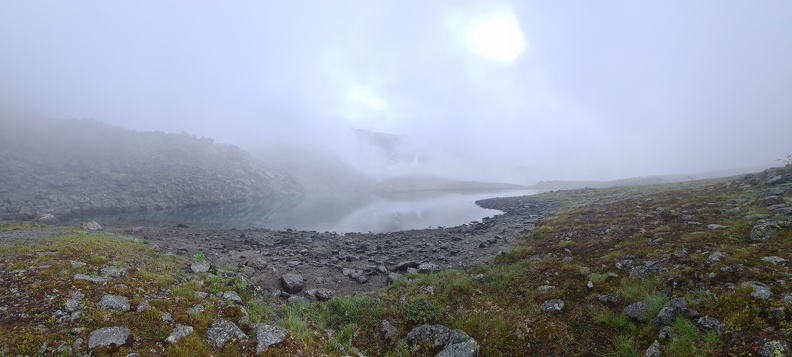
47 219
637 311
775 260
667 333
143 306
113 272
428 268
321 294
75 264
107 336
709 323
292 283
762 232
179 332
771 200
775 348
428 290
545 288
393 277
716 257
232 296
200 267
268 335
91 226
454 342
760 290
91 279
553 305
113 303
299 300
654 350
479 278
355 274
258 263
672 308
387 329
778 313
223 331
402 267
609 298
590 285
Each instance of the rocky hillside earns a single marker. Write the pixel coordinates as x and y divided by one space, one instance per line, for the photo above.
80 167
690 269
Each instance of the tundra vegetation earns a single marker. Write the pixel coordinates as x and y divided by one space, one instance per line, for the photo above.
691 269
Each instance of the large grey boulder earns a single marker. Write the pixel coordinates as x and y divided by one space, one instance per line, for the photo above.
223 331
760 290
107 336
268 335
47 219
453 342
113 303
200 266
292 283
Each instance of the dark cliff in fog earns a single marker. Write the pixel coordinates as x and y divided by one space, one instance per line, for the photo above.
77 167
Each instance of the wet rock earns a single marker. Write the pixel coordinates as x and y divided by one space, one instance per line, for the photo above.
292 283
775 348
637 311
113 303
108 336
179 332
268 335
553 305
223 331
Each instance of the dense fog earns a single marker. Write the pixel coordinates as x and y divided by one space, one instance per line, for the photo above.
509 91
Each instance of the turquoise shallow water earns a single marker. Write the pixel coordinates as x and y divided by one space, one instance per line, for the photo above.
338 212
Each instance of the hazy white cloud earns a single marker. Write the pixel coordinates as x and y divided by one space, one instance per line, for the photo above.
501 89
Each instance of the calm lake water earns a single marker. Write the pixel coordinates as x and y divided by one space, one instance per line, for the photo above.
339 212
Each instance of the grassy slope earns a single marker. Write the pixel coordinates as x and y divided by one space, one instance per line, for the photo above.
596 229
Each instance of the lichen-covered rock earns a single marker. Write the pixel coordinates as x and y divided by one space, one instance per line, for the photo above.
671 309
452 342
113 303
200 267
709 323
268 335
762 232
223 331
775 348
91 226
654 350
107 336
179 332
553 305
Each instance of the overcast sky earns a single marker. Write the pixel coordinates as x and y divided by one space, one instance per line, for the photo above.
570 90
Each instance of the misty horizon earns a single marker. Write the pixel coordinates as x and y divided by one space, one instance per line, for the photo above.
476 90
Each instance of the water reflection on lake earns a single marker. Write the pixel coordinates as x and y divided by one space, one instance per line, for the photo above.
338 212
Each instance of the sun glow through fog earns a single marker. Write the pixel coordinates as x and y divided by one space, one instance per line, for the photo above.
497 36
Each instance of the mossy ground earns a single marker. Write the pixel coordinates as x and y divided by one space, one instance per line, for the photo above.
583 242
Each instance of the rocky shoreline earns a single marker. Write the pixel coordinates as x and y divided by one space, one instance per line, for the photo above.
344 264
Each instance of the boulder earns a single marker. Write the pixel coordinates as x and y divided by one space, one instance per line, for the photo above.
268 335
107 336
654 350
387 329
709 323
402 267
775 348
47 219
762 232
636 311
760 290
428 268
221 332
672 308
113 303
553 305
91 226
453 342
321 294
292 283
179 332
200 266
